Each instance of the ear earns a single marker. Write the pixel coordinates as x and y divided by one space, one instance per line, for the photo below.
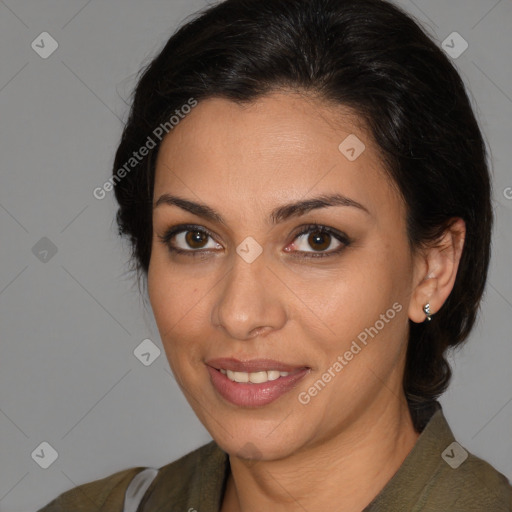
435 271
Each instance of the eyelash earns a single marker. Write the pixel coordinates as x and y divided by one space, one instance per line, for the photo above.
310 228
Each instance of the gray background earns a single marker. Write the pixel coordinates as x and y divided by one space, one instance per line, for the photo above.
70 321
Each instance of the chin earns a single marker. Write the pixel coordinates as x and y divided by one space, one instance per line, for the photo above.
254 439
257 448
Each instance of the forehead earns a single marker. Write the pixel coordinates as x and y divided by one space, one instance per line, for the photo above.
281 146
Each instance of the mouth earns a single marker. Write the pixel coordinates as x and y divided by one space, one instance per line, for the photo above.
254 382
252 365
253 377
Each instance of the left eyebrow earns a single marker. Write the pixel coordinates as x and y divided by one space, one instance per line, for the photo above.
279 214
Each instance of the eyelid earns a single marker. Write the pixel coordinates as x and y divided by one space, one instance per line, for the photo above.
320 228
172 232
341 237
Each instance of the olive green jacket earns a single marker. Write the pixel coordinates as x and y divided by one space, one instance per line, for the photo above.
438 475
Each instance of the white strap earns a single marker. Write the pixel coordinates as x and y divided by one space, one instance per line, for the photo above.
137 488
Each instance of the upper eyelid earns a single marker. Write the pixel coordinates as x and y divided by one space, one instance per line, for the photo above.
300 231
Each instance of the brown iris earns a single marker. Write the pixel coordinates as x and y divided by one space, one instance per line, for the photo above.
196 237
319 240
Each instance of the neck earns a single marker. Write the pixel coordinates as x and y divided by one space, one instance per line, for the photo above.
350 467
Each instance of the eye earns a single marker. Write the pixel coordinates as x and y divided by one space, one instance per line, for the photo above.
192 240
188 240
319 238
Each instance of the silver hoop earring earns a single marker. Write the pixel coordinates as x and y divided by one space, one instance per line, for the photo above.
426 310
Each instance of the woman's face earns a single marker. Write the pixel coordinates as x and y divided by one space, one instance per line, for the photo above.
259 291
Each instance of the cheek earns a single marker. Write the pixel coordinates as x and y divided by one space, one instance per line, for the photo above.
178 304
362 336
365 302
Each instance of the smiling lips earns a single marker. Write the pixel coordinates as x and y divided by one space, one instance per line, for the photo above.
253 383
254 377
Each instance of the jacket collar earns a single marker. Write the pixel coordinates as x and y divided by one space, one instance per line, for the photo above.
197 481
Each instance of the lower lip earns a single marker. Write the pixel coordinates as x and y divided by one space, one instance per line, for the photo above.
253 395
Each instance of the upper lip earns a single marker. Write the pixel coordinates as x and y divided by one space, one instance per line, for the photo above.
251 365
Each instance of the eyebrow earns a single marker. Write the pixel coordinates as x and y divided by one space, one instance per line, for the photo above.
279 214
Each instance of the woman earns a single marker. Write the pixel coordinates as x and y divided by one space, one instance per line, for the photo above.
305 188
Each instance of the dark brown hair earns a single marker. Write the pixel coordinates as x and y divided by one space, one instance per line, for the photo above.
365 54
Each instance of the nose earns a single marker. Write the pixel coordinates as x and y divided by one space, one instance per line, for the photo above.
250 302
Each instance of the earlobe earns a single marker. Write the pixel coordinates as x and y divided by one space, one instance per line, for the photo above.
422 295
441 262
427 311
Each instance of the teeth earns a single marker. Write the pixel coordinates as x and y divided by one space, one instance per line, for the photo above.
254 377
274 374
258 377
239 376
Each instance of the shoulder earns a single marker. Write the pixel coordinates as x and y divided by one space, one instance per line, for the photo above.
94 496
475 485
439 474
107 494
456 478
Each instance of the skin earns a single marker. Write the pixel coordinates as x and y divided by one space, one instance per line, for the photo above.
244 161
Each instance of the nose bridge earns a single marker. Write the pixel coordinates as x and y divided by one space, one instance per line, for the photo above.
248 302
